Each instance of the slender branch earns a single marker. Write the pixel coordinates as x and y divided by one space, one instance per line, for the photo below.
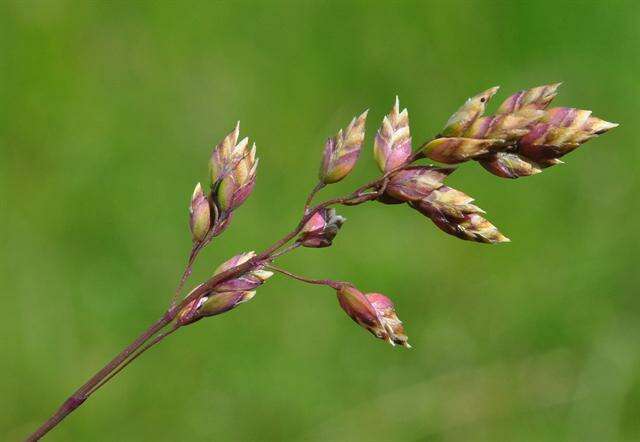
313 192
354 198
81 394
195 250
284 251
159 338
328 282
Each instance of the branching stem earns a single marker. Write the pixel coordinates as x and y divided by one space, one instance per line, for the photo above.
152 335
328 282
197 247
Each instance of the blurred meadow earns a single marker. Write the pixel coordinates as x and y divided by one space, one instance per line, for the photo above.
108 113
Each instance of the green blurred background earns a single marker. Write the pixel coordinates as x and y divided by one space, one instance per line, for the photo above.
108 113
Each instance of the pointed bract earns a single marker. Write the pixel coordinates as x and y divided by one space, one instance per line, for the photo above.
458 150
226 153
392 144
534 98
464 117
505 127
394 330
342 151
597 126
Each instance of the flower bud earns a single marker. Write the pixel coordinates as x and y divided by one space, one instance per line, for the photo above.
321 228
534 98
221 302
237 185
386 312
452 212
358 307
199 215
246 282
212 304
416 182
521 139
392 144
374 312
458 150
342 151
464 117
225 155
453 202
561 131
232 167
505 127
227 294
510 165
234 262
472 227
189 313
577 120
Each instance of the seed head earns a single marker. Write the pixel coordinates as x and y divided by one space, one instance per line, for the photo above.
228 294
199 215
248 281
453 212
233 167
221 302
236 186
392 145
458 150
416 182
341 152
225 155
374 312
521 139
561 130
211 304
510 165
